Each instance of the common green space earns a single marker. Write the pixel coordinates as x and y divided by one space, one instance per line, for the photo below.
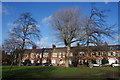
59 72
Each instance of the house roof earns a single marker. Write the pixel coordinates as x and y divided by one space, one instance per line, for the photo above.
79 48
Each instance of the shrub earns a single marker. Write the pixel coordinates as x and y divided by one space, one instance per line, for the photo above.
93 61
104 61
27 61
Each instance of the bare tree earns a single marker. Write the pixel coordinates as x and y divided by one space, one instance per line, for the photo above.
0 55
96 28
9 46
67 22
25 32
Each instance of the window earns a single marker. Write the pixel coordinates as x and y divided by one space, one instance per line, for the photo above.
32 61
59 55
71 54
45 55
118 54
37 56
33 56
70 61
25 56
40 55
61 62
99 53
53 61
63 54
44 61
92 54
81 54
54 54
111 53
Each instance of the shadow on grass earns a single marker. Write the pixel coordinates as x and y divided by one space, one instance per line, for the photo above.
59 79
29 72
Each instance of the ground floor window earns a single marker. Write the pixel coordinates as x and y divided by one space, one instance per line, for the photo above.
99 61
111 60
44 61
32 61
53 61
70 61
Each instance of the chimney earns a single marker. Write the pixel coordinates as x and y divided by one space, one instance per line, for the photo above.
77 44
33 47
53 46
10 53
3 52
6 53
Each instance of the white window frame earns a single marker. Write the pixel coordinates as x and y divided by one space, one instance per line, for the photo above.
54 54
25 55
53 61
45 55
71 54
63 54
37 55
32 55
40 55
81 54
44 61
59 55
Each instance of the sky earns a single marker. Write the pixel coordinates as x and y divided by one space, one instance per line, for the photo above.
42 12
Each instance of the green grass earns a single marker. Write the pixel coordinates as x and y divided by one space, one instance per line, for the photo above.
55 72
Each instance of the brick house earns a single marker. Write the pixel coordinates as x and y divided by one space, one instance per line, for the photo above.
56 55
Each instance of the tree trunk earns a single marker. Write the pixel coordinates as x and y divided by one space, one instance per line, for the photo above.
67 56
12 60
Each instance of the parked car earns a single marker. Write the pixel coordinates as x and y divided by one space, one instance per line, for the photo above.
47 64
106 65
115 64
34 64
28 64
96 65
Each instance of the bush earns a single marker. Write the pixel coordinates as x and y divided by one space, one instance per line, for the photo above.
27 61
104 61
75 63
93 61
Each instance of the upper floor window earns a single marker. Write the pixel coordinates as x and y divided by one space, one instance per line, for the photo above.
25 56
119 54
37 56
59 55
45 55
54 54
71 54
92 53
63 55
99 53
81 54
33 56
111 54
40 55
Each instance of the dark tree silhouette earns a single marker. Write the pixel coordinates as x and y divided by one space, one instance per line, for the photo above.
23 35
67 23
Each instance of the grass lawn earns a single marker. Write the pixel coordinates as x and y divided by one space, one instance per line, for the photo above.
59 72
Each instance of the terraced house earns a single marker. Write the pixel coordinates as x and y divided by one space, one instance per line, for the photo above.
57 55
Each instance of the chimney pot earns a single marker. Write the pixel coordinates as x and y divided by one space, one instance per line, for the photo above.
78 44
34 47
11 53
53 46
